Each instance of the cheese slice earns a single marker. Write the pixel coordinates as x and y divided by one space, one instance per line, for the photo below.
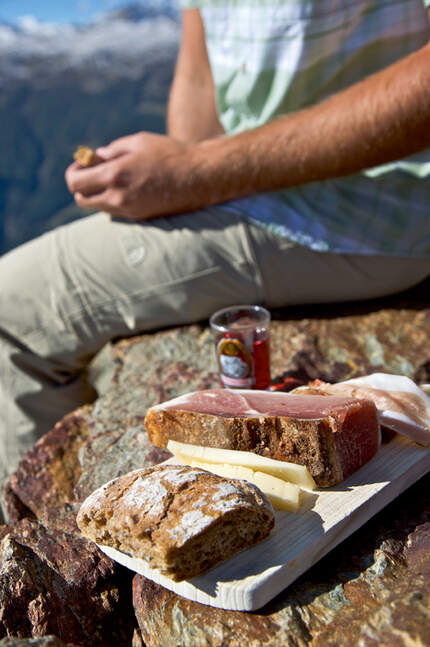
228 471
298 474
282 495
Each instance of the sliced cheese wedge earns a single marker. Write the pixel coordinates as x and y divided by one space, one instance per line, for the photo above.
282 495
298 474
228 471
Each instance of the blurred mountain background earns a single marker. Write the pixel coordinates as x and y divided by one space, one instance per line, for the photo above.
62 85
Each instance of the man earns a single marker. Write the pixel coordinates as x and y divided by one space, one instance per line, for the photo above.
259 193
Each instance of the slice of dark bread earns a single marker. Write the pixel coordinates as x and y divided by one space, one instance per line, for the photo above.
331 436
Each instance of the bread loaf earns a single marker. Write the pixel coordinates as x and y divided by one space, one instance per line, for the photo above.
180 519
331 436
86 156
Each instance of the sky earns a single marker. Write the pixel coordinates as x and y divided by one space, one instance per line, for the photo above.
57 10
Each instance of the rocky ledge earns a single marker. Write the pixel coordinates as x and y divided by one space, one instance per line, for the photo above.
58 589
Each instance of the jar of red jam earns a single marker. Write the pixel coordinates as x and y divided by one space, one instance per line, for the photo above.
242 346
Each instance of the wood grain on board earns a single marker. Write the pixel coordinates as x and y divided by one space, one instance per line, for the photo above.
254 576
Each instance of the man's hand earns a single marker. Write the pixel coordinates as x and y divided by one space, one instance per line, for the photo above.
139 179
383 118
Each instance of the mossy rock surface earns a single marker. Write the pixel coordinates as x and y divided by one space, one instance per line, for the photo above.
371 590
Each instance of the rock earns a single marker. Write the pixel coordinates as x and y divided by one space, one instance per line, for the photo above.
14 507
137 640
34 489
52 582
99 442
371 590
47 641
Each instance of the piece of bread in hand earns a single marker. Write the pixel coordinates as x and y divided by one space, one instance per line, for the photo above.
86 156
181 520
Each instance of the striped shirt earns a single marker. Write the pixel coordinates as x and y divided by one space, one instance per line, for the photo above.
272 57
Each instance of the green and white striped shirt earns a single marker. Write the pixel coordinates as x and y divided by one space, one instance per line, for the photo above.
272 57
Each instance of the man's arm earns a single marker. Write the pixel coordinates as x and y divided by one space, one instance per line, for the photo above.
191 114
383 118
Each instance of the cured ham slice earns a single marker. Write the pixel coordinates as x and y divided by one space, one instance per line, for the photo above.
331 435
401 404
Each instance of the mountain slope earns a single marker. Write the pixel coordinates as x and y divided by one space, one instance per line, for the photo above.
64 85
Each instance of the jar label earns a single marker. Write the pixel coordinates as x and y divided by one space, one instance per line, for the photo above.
235 363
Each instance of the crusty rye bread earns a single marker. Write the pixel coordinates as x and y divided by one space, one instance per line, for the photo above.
332 440
180 519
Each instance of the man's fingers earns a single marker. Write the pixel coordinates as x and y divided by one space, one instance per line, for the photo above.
74 166
87 180
108 200
118 147
112 151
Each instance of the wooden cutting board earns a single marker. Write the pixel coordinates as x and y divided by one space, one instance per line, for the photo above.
251 578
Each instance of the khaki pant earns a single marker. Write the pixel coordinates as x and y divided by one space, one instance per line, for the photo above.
64 295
